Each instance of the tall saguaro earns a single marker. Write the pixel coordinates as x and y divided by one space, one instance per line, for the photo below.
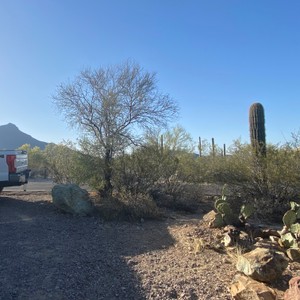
257 128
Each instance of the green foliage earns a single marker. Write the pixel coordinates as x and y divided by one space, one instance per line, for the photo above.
63 163
36 161
138 171
269 189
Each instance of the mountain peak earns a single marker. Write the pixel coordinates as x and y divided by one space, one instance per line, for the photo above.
11 125
12 138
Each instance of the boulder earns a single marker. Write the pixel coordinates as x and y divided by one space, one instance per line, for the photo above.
293 292
262 264
245 288
72 199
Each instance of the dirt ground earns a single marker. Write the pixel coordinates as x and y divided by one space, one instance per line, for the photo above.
46 254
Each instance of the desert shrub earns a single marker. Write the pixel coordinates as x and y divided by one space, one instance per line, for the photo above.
63 165
139 205
270 182
109 208
188 168
127 206
138 171
178 195
36 161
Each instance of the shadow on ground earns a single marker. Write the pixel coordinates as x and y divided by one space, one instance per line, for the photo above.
49 255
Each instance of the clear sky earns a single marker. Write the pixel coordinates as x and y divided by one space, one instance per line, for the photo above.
214 57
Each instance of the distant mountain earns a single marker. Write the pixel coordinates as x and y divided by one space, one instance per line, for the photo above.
12 138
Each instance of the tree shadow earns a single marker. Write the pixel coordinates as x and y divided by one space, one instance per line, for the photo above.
46 254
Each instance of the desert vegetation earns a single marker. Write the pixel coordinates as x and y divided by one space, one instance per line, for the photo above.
128 156
165 169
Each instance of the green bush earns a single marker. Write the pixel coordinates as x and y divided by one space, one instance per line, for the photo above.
270 183
137 172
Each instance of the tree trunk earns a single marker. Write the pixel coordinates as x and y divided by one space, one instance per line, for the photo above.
107 189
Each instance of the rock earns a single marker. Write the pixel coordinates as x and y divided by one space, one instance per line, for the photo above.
261 231
293 254
214 219
267 243
72 199
268 232
293 292
274 239
245 288
262 264
228 240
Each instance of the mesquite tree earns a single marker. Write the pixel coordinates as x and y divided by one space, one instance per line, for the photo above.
112 107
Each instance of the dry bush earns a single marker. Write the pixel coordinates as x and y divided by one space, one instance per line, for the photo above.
127 206
175 194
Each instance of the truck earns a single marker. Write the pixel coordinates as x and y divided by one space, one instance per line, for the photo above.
14 169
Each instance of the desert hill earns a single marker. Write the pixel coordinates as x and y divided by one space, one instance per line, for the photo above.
11 137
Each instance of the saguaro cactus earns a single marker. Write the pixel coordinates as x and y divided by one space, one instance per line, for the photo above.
257 128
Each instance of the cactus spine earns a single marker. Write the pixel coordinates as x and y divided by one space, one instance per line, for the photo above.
257 128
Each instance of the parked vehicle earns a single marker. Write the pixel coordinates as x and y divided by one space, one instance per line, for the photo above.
13 168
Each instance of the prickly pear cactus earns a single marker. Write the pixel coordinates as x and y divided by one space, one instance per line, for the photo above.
217 222
295 229
219 201
288 241
294 206
247 210
224 209
289 218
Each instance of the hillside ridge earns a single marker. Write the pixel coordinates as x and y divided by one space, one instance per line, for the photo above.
11 137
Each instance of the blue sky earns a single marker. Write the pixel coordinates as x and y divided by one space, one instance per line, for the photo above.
215 58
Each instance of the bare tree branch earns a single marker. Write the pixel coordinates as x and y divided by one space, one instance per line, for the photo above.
114 105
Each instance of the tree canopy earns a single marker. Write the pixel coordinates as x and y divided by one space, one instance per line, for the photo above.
113 106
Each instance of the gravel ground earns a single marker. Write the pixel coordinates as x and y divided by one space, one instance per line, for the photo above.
46 254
